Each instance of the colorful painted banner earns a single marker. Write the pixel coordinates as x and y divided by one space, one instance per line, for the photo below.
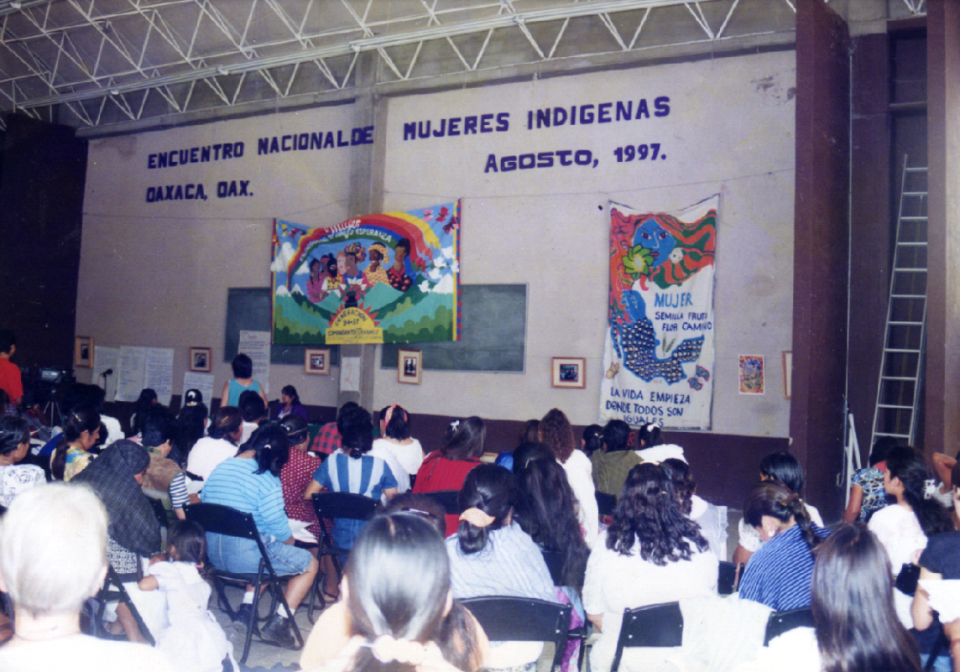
392 277
659 349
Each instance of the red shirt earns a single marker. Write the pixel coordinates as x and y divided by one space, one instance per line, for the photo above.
296 475
439 473
10 379
327 440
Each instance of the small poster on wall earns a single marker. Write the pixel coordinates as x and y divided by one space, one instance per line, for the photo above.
658 355
751 374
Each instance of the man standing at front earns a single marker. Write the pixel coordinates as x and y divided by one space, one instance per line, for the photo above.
10 381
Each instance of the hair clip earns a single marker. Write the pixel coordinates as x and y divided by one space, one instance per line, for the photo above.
455 425
652 426
929 488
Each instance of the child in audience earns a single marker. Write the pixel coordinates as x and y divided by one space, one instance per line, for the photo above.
783 468
242 380
778 575
651 553
253 410
591 440
492 555
446 469
193 641
71 455
557 434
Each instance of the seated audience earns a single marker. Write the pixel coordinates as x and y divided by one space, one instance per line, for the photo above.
352 469
783 468
253 411
867 495
614 460
134 533
72 453
711 519
903 528
940 562
191 424
327 440
391 622
16 479
557 434
591 440
492 555
651 553
396 439
778 575
446 469
290 403
250 482
652 448
856 628
159 434
298 472
52 558
146 400
218 445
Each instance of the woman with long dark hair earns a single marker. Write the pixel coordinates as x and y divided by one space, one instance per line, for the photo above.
80 434
219 444
14 446
711 519
290 403
651 553
778 575
395 439
903 528
446 469
557 434
191 423
147 398
856 628
492 555
397 624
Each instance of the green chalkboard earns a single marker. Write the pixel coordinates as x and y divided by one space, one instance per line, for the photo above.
248 309
493 335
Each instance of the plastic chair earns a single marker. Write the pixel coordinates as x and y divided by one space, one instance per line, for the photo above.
113 591
656 625
522 619
448 499
336 505
223 520
784 621
606 503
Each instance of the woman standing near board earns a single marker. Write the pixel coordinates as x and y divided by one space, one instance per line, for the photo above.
242 381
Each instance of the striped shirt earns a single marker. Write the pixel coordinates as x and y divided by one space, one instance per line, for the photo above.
234 483
366 475
780 573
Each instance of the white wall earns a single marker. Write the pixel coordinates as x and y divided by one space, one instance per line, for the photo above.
157 274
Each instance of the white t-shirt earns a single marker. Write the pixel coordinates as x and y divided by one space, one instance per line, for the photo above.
207 453
81 653
899 531
409 456
615 582
579 472
399 473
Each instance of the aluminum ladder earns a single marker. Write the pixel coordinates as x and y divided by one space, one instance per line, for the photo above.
901 366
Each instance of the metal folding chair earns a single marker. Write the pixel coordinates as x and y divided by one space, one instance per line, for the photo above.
223 520
784 621
656 625
522 619
113 591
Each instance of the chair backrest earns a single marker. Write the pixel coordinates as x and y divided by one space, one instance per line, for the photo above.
727 579
656 625
784 621
522 619
448 499
344 505
221 519
606 503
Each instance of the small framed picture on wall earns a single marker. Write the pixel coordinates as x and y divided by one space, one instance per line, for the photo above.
316 361
409 366
569 372
200 359
83 352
